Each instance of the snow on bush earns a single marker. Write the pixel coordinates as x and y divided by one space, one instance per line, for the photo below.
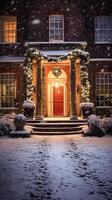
86 105
106 123
4 129
6 124
28 104
98 126
92 121
95 126
28 107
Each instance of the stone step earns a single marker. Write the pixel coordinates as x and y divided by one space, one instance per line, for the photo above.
56 133
56 124
64 121
56 129
56 121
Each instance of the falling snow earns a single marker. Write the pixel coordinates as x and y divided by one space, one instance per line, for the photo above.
35 21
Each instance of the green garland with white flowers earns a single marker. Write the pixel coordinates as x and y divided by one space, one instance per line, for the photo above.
33 53
84 57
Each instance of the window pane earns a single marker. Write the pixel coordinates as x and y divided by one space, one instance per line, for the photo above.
103 89
56 24
7 89
103 29
8 29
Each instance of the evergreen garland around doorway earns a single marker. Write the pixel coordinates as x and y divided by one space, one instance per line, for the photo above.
34 54
31 54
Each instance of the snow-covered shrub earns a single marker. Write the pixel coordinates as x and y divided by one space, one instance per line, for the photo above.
6 124
106 123
92 122
98 126
19 121
94 127
4 129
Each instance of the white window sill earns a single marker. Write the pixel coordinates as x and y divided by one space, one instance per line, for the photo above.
103 106
4 108
8 43
103 43
58 42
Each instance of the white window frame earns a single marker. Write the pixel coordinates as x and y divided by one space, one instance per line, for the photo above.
56 30
10 38
103 89
9 99
103 29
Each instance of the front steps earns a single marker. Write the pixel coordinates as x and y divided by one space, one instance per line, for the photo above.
56 127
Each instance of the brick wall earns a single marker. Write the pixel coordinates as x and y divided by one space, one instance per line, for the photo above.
78 16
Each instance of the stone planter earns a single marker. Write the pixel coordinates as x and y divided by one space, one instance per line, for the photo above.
86 109
29 108
19 122
86 112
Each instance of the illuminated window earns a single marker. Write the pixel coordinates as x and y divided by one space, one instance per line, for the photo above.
7 90
56 28
103 29
103 89
8 29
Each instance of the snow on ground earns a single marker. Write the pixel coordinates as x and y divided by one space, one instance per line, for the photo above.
56 168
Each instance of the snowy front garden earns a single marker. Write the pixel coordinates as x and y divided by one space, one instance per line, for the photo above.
14 125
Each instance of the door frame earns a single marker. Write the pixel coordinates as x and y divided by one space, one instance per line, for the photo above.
50 98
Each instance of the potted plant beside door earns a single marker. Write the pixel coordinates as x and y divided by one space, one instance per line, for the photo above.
86 109
28 107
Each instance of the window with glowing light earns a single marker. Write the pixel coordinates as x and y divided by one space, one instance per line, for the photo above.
56 28
103 29
7 90
8 28
103 89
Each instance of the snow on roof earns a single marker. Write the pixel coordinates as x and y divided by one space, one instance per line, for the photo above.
60 42
55 53
7 59
18 59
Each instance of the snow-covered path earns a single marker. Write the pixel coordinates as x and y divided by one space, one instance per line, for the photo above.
56 168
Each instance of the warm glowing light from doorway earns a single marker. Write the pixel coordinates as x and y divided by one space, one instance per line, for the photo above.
56 84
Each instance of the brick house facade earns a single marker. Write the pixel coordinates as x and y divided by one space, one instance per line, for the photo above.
55 28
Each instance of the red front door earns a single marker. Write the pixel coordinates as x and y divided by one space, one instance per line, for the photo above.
58 100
